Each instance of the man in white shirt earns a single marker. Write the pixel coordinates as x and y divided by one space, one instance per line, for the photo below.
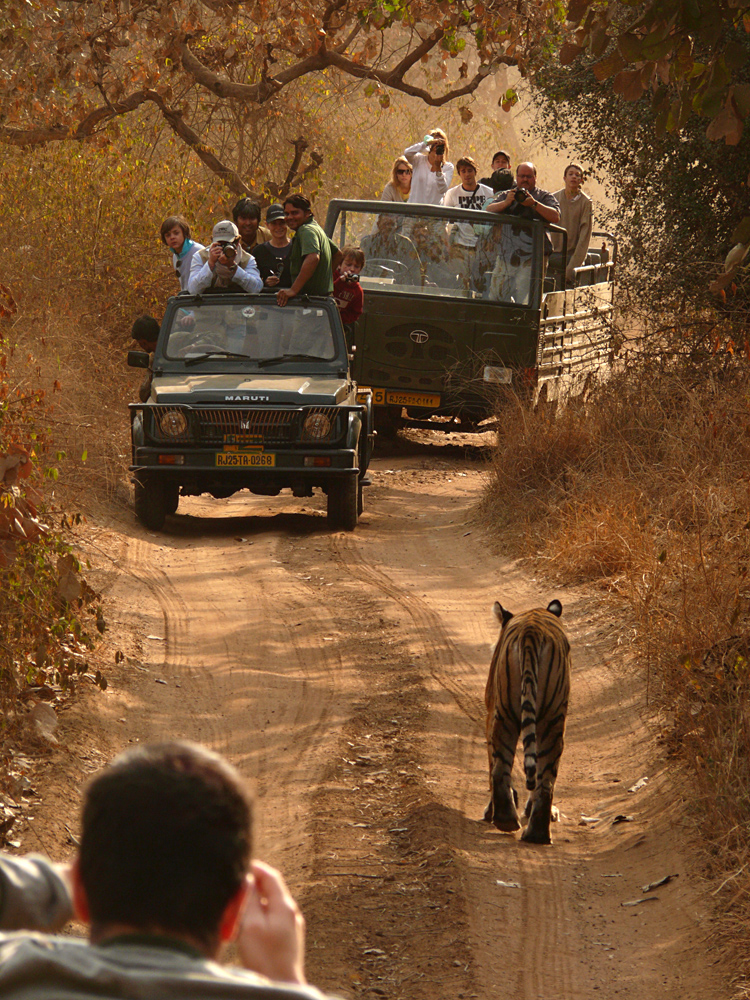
468 194
472 195
576 214
432 172
224 264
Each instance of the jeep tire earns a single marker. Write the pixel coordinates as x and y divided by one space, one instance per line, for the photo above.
343 503
154 499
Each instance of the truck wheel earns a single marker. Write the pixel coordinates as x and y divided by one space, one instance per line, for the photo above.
360 499
342 503
172 494
153 499
388 419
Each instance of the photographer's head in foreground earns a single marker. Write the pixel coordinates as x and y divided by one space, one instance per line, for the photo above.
163 878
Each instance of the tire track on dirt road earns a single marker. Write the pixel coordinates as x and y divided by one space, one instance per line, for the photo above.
257 680
440 653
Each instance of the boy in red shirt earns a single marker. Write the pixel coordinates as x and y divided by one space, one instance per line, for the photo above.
347 290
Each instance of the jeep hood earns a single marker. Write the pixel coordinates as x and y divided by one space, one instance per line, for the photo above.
292 390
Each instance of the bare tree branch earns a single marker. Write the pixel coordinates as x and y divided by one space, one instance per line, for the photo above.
294 174
83 130
207 155
176 121
254 93
258 93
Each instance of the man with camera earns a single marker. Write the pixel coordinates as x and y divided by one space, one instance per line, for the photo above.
525 201
432 174
164 880
528 201
224 265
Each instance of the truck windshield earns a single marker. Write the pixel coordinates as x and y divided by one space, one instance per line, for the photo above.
217 329
487 259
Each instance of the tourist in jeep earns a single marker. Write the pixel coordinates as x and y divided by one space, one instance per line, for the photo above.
398 187
313 255
576 214
500 161
386 243
225 265
246 215
175 234
433 172
273 257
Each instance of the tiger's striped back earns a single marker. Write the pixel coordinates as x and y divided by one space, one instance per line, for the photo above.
527 695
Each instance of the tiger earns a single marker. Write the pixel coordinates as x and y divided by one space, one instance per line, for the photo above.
527 694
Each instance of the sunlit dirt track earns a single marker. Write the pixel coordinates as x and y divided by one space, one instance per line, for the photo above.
344 675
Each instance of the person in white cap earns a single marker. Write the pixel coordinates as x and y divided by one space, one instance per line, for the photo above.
224 263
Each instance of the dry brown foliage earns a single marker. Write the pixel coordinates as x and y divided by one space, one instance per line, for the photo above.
642 487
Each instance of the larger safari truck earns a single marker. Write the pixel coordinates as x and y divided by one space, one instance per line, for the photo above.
457 301
247 395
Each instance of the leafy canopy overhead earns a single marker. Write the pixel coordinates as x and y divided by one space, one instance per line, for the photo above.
68 69
686 53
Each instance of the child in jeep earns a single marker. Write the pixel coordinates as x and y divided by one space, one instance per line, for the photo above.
347 290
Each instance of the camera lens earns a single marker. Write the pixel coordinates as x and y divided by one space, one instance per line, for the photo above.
440 148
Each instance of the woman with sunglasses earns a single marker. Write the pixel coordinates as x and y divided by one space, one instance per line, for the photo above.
399 186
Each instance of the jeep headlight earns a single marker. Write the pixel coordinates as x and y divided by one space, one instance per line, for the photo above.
172 423
316 427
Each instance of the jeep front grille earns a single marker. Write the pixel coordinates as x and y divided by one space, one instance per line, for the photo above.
216 427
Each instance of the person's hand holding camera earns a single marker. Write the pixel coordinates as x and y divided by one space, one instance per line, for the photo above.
223 255
214 252
435 156
523 197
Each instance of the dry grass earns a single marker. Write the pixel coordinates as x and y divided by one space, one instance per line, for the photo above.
643 488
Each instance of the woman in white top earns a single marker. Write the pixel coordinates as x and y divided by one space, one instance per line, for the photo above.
399 186
433 173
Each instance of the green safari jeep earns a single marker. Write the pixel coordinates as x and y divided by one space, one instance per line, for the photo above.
246 394
458 301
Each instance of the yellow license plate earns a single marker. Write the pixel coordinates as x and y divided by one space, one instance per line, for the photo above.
413 398
244 459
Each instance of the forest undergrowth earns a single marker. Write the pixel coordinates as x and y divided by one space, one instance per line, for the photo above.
641 486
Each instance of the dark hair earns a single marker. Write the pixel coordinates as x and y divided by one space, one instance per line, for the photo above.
170 222
466 161
575 166
145 328
247 209
299 201
501 152
501 180
166 840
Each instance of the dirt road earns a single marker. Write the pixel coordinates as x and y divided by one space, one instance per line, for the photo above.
344 675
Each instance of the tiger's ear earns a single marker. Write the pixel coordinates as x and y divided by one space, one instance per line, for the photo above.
501 614
555 607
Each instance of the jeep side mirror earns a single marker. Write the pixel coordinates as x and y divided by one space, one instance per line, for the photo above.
138 359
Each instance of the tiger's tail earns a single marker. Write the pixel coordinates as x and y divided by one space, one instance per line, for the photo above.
528 711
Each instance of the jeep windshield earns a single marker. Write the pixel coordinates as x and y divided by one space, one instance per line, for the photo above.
253 334
429 250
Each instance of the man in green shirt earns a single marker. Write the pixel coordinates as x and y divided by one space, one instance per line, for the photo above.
313 256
